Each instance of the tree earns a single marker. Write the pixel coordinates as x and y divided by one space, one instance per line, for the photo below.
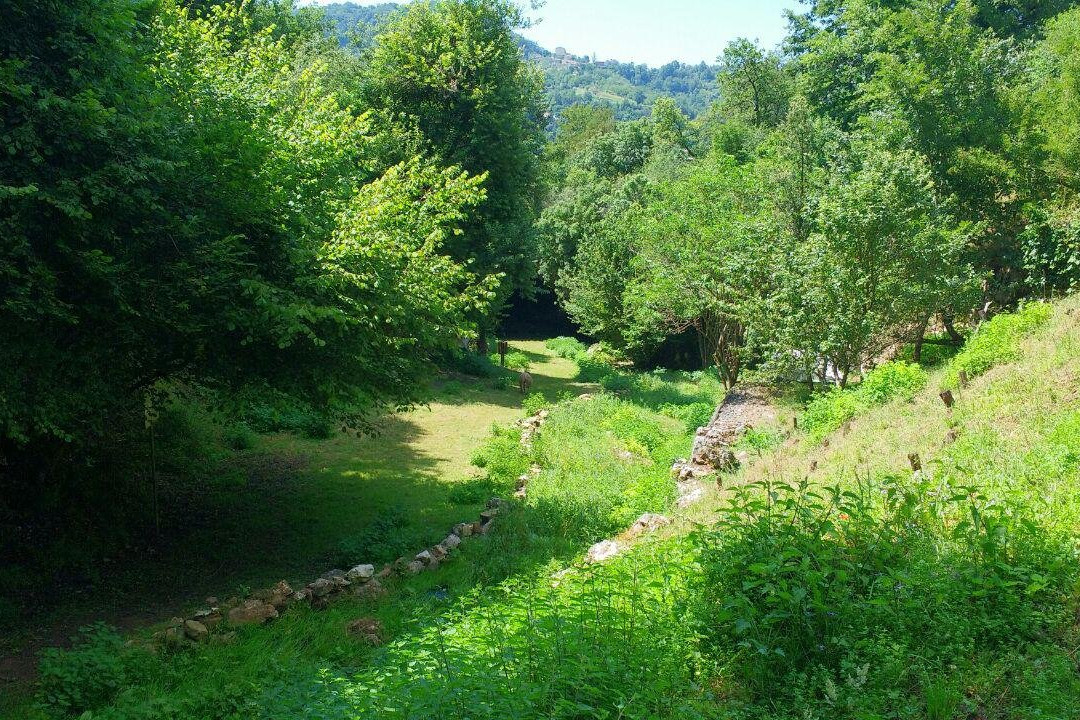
452 72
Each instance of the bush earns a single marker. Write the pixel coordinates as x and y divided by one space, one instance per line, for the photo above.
501 383
534 403
998 341
566 347
618 383
593 370
269 412
502 458
517 361
801 589
467 362
893 380
239 436
88 676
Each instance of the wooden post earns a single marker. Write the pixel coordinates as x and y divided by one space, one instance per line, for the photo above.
504 347
916 463
795 422
963 378
947 398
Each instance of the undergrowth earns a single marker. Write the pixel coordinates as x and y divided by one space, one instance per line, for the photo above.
893 380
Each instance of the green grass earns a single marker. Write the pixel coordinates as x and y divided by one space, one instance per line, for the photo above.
822 580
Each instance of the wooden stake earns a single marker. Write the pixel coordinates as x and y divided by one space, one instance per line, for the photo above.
963 378
916 463
947 398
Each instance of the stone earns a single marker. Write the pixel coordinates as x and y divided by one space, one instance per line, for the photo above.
452 542
463 530
195 631
174 637
439 553
415 567
252 612
603 550
321 587
211 601
360 573
337 577
370 590
649 522
496 503
425 557
479 528
952 436
521 493
488 515
690 497
369 630
543 414
279 595
386 572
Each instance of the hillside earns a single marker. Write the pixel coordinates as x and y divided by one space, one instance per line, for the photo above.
629 89
859 588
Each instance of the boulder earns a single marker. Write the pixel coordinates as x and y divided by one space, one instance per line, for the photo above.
415 567
252 612
279 595
601 551
452 542
463 530
425 557
195 631
479 528
488 515
174 637
360 573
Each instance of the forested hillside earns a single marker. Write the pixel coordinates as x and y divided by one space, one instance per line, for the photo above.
628 89
812 451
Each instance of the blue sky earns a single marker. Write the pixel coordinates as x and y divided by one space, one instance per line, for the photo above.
652 31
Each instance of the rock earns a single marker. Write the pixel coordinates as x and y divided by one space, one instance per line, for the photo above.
174 637
649 522
337 577
415 567
543 414
425 557
521 493
601 551
252 612
369 630
360 573
496 503
439 553
463 530
321 587
195 631
401 563
211 601
279 595
370 590
386 572
691 496
952 436
488 515
522 481
452 542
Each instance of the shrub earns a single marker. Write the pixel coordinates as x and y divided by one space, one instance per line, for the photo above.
803 588
517 361
89 675
534 403
998 341
502 457
893 380
618 383
470 363
890 381
501 383
593 370
566 347
761 441
239 436
269 412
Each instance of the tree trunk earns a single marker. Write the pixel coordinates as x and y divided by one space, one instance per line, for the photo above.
920 335
947 321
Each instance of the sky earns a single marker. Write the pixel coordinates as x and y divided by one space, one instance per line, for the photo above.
651 31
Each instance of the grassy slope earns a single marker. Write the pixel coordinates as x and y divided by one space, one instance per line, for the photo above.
1012 426
303 500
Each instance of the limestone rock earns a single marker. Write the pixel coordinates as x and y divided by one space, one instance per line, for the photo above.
360 573
321 588
252 612
195 631
425 557
463 530
601 551
415 567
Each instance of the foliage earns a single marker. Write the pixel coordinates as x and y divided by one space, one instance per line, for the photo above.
534 403
998 341
88 676
565 347
832 598
887 382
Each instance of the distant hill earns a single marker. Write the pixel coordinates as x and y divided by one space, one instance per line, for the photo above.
629 89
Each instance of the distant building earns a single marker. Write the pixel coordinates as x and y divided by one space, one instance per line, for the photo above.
560 52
